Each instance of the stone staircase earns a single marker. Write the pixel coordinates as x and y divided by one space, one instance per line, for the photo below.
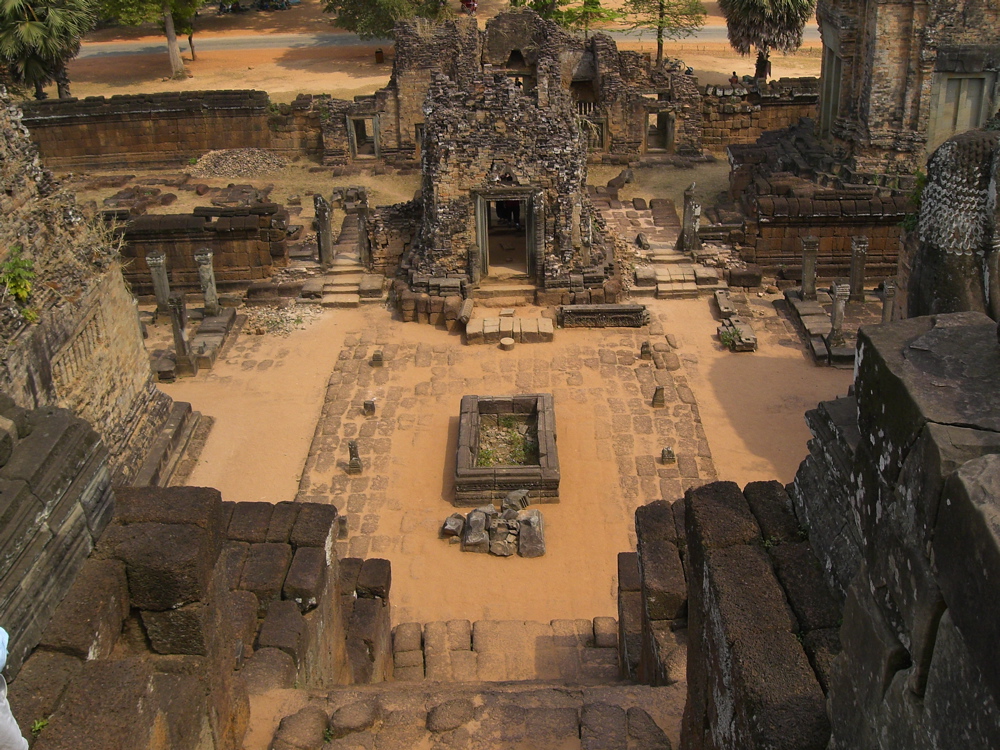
495 685
504 291
669 274
347 282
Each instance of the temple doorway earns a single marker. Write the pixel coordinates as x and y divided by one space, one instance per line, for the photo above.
507 254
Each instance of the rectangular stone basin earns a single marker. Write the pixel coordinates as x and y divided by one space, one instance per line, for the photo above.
477 485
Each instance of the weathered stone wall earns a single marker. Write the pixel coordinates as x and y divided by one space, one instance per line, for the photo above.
786 188
248 244
188 605
391 230
85 351
761 624
894 57
900 493
741 114
167 129
56 489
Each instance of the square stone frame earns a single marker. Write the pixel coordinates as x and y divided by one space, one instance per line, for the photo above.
475 485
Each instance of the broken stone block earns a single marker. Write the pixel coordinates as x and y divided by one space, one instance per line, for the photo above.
475 538
517 500
502 548
546 330
531 534
350 569
664 589
453 525
284 628
306 578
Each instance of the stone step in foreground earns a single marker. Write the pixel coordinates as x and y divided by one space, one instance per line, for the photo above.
578 652
341 299
521 330
394 716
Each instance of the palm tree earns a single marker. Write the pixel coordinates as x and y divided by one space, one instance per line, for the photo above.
766 25
38 38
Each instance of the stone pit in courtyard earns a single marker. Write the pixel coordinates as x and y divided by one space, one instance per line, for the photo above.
479 477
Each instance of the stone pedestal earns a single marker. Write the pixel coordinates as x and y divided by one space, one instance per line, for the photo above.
206 275
157 263
888 299
324 230
859 254
810 250
688 241
354 465
840 290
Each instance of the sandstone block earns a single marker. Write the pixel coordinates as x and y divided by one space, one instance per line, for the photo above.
306 578
89 620
303 730
284 628
179 631
264 571
250 521
375 578
268 669
315 526
628 572
406 637
605 632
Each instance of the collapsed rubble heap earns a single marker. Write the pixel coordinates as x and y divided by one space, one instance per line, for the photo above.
514 528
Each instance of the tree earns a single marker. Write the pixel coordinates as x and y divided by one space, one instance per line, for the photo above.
584 16
766 25
376 19
670 19
551 10
135 12
38 38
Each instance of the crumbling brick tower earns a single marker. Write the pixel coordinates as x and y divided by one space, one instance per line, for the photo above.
899 78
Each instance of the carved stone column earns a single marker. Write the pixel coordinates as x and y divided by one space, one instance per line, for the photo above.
840 290
859 254
810 251
888 299
324 230
157 262
206 275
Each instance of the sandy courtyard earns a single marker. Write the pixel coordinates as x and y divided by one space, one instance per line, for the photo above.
285 408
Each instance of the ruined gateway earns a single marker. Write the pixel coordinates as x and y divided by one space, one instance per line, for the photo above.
854 608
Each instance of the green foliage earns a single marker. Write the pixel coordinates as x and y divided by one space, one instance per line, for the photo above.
174 16
376 19
670 19
771 542
728 339
551 10
38 37
766 25
911 220
486 457
17 274
588 14
38 725
30 314
328 735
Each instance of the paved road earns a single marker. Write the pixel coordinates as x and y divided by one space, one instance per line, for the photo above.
298 41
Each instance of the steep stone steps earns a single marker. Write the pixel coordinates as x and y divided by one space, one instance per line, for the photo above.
488 716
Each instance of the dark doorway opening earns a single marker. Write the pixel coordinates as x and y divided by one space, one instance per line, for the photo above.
363 137
507 235
660 132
